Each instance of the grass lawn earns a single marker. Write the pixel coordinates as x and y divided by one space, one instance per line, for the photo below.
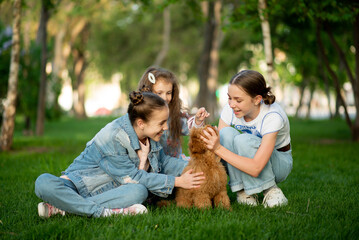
322 190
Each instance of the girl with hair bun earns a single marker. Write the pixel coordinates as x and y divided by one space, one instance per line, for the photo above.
164 83
119 167
254 140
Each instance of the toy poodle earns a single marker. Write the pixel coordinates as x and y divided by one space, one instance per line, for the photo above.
213 192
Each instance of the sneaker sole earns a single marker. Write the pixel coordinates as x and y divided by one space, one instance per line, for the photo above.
276 205
140 209
42 210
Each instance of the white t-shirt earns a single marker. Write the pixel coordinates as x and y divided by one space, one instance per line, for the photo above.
271 118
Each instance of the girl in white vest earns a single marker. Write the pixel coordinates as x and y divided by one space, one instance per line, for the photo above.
254 140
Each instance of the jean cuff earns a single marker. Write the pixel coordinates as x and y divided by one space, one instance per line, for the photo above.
261 188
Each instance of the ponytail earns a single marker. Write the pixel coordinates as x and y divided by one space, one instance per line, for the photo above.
268 96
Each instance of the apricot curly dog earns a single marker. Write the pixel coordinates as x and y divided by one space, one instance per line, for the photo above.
214 189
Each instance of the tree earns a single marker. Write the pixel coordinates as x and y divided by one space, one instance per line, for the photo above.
42 41
8 125
349 13
208 66
166 37
173 37
79 38
331 19
267 41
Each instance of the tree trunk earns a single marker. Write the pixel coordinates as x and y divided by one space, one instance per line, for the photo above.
79 89
325 82
309 104
341 57
353 80
208 66
41 40
267 41
166 37
302 89
334 77
57 67
337 106
8 122
80 65
356 45
27 61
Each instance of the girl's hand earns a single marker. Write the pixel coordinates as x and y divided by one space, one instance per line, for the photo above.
201 115
211 139
190 180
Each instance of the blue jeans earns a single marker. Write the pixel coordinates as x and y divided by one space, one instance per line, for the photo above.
63 194
277 169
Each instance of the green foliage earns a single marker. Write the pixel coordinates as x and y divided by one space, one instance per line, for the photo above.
133 38
29 80
243 14
327 10
322 192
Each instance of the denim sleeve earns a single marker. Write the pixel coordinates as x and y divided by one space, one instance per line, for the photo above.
123 171
172 166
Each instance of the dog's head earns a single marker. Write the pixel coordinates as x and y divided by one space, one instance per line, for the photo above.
196 144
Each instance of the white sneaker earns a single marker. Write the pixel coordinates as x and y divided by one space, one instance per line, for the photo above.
131 210
46 210
246 199
274 197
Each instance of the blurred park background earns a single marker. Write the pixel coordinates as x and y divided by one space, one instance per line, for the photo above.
81 58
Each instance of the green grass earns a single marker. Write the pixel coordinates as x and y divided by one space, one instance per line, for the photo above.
322 190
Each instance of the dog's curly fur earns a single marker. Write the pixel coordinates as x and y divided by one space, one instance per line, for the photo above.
214 189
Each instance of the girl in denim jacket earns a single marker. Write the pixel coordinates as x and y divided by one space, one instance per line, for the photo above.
254 140
119 166
164 83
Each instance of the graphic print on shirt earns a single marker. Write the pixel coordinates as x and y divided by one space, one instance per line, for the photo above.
247 129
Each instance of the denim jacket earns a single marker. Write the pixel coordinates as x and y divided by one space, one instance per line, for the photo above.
110 160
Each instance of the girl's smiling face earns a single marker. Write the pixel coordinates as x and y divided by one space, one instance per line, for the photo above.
242 104
157 124
163 89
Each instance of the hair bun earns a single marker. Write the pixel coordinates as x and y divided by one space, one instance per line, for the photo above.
136 98
145 88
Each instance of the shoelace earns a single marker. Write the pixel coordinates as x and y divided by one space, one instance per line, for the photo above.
108 212
54 210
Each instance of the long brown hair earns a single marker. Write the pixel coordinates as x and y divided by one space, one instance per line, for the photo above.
253 83
175 105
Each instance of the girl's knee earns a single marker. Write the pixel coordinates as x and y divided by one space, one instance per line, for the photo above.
227 135
43 184
139 193
246 144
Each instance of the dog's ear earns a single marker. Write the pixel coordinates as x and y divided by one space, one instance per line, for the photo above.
196 144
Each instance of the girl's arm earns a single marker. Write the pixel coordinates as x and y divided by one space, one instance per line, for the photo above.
198 119
251 166
200 116
222 124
